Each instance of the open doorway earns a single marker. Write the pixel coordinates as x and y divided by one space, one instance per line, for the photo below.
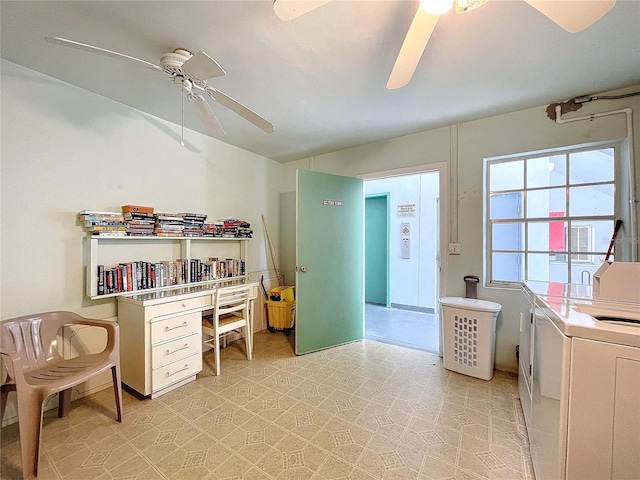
377 281
402 257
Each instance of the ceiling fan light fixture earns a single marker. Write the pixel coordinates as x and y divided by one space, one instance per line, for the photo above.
463 6
436 7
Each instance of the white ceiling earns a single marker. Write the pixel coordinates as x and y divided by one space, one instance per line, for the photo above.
320 79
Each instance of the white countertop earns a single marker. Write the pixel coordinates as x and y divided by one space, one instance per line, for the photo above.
563 302
555 289
174 294
181 293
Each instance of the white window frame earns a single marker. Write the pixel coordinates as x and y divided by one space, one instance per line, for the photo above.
622 190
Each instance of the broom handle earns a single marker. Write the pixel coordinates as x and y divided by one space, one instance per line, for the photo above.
274 257
613 239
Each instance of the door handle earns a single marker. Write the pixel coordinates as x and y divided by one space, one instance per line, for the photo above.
303 268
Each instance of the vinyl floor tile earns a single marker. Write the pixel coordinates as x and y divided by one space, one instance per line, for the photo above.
362 411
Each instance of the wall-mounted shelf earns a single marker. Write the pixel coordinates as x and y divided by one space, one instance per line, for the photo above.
95 243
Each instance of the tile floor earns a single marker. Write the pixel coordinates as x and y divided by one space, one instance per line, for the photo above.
402 327
364 410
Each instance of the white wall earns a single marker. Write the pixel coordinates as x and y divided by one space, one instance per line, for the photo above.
412 279
65 149
464 148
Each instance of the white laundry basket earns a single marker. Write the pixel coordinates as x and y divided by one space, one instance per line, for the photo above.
469 335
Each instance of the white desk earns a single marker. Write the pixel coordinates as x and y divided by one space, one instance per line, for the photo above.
161 337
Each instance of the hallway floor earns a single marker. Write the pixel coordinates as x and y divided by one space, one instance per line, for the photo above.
405 328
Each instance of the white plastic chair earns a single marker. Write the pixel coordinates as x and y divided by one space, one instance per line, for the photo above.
28 346
230 314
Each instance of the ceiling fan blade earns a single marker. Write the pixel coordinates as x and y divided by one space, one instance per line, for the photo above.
206 115
90 48
412 48
202 66
240 109
290 9
573 15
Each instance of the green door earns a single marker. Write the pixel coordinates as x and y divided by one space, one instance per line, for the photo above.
329 260
377 258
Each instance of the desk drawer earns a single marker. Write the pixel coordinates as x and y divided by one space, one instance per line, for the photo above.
175 327
174 372
178 306
174 350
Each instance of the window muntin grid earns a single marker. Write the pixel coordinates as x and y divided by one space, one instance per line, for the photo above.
534 206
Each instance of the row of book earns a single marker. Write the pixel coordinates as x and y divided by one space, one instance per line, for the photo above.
138 220
107 224
142 275
228 228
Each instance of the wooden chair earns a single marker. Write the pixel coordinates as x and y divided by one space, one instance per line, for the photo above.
36 370
230 314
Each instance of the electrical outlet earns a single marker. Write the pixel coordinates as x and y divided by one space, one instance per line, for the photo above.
454 249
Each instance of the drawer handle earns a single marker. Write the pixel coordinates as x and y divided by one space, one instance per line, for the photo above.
186 367
183 324
170 352
184 305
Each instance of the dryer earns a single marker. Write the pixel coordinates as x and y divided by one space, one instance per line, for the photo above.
583 393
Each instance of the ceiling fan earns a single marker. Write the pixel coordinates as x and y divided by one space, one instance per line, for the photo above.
191 73
572 15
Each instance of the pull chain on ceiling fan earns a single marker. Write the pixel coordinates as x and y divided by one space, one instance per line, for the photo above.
571 15
191 73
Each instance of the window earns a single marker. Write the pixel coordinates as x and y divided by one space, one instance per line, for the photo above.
550 217
582 241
